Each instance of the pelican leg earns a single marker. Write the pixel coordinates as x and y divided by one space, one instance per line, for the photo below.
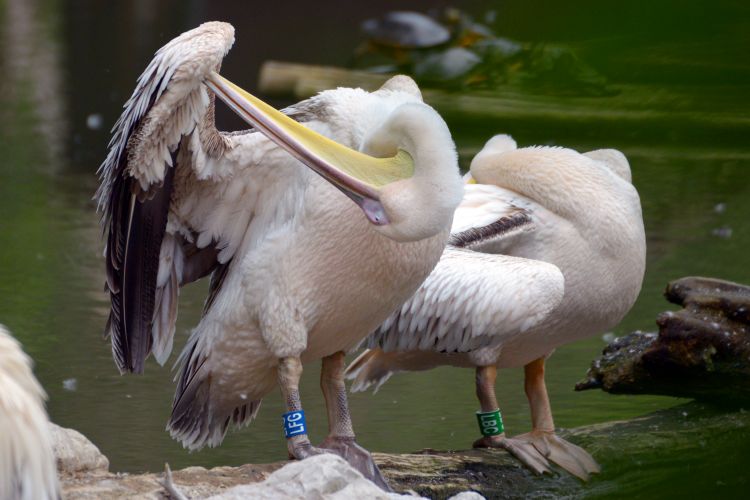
290 371
341 438
526 453
570 457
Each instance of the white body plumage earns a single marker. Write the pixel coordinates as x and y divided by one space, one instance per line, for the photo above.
28 470
311 276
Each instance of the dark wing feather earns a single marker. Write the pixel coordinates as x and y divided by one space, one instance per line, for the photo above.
477 237
140 270
217 281
135 235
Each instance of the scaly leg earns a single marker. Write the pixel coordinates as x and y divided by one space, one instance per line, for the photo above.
341 437
570 457
290 371
525 452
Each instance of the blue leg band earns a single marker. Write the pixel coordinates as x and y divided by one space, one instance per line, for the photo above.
294 423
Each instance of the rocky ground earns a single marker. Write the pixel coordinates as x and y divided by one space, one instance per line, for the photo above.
636 455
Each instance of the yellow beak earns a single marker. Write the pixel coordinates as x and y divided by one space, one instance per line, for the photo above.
356 174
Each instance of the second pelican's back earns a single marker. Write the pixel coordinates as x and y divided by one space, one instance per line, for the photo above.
588 223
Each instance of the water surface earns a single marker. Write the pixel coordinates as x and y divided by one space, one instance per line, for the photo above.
69 63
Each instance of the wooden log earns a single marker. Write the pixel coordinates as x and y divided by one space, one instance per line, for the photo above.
701 351
280 78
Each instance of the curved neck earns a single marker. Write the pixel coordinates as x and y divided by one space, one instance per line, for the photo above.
422 205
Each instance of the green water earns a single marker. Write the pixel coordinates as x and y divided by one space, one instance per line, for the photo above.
63 61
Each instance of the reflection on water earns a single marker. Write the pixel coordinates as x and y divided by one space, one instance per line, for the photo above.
31 57
69 60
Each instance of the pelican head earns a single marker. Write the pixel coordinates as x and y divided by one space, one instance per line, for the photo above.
421 205
405 180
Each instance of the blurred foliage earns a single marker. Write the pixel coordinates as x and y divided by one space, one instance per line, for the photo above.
454 51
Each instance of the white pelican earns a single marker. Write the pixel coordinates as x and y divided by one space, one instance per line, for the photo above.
299 273
28 470
579 212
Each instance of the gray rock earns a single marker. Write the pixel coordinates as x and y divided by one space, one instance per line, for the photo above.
408 30
467 495
453 63
75 453
324 476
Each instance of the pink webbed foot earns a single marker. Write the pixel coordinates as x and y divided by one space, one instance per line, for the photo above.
525 452
569 456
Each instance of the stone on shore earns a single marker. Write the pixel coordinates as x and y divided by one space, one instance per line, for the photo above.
321 476
75 453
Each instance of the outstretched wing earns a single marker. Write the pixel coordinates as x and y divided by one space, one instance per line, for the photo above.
169 118
472 300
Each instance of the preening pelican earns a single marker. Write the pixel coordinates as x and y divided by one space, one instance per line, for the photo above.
300 272
578 212
28 470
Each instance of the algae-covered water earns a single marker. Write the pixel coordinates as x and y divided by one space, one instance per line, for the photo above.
68 66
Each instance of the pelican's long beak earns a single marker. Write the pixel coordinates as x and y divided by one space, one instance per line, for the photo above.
356 174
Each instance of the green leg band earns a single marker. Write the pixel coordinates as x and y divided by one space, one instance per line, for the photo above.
490 423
